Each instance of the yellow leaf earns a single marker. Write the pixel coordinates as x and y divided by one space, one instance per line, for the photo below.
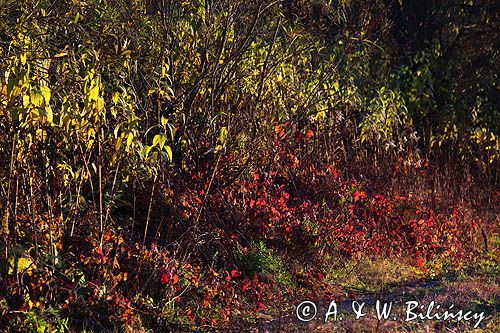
118 144
169 152
130 137
48 114
115 98
36 97
24 264
94 91
45 93
164 121
26 100
61 54
99 105
5 223
41 134
156 139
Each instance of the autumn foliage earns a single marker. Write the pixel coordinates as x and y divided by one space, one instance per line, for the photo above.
183 165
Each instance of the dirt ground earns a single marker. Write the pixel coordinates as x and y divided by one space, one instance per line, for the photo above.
479 296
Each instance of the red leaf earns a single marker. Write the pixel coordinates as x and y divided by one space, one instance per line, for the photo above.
420 262
165 278
309 134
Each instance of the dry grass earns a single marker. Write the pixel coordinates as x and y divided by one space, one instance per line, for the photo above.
373 274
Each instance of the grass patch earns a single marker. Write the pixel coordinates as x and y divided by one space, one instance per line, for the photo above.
265 262
372 274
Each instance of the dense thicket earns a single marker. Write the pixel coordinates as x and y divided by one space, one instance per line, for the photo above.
163 123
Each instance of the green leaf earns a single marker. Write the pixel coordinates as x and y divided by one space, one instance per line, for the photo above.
223 134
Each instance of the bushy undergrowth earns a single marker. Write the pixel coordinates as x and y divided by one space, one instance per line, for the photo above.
221 274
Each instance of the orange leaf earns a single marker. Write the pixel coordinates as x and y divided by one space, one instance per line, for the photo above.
358 195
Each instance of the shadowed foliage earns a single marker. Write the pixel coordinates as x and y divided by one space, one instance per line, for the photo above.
181 165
